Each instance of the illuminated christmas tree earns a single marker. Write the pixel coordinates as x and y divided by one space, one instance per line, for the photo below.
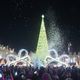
42 46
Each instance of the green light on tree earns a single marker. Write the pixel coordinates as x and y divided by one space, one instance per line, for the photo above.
42 46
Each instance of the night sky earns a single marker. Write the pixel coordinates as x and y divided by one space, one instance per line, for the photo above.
20 21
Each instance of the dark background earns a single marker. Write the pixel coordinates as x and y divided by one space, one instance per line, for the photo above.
20 21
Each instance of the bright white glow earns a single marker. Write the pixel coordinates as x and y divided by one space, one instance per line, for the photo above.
0 57
42 16
0 75
35 72
16 73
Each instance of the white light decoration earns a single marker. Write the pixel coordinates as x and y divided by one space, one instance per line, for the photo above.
42 16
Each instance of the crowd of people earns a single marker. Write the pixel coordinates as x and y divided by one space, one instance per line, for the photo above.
31 73
38 72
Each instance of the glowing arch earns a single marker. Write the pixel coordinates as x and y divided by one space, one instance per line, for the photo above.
10 58
22 50
55 52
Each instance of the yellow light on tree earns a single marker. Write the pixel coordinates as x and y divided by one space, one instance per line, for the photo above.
42 46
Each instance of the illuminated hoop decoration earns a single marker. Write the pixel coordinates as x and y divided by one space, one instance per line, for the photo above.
47 60
10 58
20 52
55 52
25 59
50 59
14 59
